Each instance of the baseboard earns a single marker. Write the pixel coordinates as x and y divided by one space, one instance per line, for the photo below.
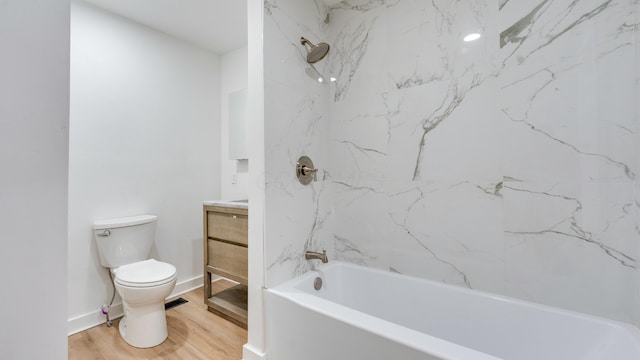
251 353
95 318
186 286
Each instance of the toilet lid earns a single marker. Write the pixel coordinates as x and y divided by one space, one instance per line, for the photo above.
145 273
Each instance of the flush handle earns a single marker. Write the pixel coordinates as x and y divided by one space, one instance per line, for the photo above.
104 233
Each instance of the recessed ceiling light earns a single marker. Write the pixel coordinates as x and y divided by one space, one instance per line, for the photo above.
472 37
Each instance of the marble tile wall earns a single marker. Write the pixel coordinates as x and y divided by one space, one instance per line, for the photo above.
297 217
568 83
416 137
508 164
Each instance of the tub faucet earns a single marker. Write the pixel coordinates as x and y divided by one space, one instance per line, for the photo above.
310 255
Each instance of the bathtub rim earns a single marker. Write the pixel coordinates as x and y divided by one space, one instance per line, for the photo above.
410 337
289 284
405 336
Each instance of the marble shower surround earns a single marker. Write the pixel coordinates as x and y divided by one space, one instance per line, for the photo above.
509 164
297 217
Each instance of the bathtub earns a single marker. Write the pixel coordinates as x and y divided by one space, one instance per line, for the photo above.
363 314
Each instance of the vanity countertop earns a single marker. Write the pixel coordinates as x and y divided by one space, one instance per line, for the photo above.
238 204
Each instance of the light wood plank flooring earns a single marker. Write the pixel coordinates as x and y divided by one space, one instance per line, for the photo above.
194 333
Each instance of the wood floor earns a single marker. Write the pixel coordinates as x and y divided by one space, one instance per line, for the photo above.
194 333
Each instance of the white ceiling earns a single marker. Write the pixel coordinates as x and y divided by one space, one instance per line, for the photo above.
216 25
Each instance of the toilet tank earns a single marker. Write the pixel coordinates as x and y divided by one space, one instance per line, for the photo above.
124 240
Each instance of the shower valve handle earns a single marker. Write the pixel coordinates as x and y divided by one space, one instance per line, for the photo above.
307 170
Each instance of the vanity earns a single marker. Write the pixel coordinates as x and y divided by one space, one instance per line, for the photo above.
226 255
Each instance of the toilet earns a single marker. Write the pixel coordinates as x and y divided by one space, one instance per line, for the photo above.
124 245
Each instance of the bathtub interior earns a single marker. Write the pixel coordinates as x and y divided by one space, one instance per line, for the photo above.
495 325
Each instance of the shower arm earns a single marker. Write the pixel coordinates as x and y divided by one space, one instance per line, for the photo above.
304 41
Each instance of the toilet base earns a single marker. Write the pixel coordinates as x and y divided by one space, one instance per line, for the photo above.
144 327
144 324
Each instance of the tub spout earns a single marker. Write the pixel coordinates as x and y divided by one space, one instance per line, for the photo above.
310 255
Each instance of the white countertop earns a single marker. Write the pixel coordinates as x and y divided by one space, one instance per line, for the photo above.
238 204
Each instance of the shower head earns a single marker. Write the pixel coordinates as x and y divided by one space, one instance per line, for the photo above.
316 52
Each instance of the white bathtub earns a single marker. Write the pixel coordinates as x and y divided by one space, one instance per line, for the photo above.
365 314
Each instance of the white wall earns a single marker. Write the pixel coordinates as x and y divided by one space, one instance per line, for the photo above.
144 138
34 113
233 78
254 349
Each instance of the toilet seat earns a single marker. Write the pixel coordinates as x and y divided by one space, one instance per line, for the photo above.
146 273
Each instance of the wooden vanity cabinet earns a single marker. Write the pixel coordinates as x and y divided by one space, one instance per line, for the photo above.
226 254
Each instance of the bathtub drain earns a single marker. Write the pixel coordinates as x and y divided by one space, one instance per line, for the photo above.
317 283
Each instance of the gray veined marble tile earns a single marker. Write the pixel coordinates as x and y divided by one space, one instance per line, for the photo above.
509 164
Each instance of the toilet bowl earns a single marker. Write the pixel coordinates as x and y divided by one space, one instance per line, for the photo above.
143 287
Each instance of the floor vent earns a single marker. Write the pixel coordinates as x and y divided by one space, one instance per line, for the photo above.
173 303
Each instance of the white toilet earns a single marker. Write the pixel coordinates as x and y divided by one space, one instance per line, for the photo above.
124 245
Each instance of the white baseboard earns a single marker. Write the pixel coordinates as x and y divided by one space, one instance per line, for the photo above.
95 318
251 353
186 286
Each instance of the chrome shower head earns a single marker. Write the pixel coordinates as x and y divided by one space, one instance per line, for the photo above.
316 52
